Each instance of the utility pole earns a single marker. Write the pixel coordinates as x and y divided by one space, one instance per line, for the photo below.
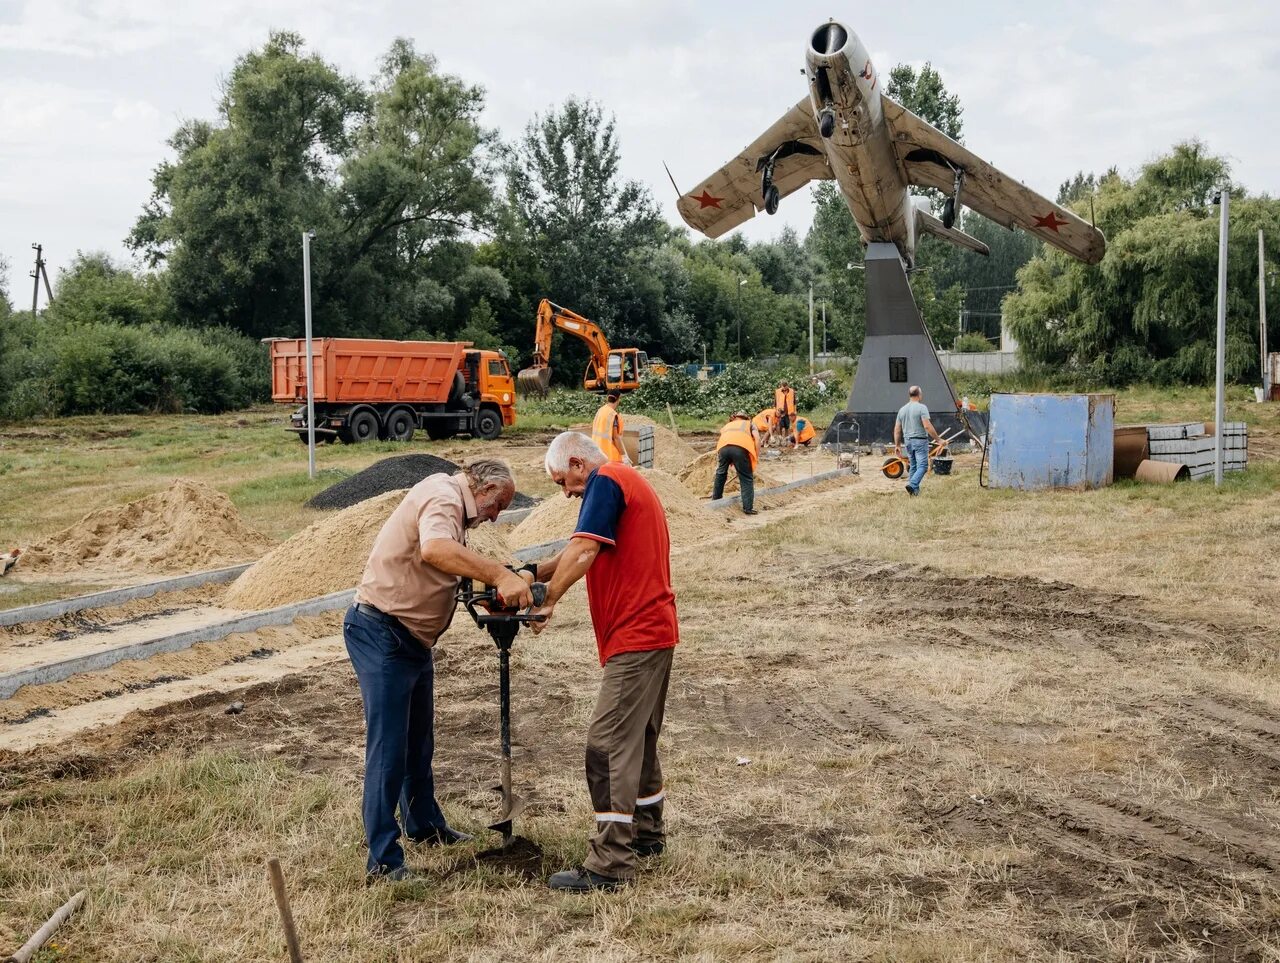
1262 317
811 328
1224 200
824 325
307 237
36 275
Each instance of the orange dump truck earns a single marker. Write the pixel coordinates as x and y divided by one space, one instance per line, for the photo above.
371 389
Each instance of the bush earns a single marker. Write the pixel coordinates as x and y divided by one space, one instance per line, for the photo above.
53 368
973 341
742 386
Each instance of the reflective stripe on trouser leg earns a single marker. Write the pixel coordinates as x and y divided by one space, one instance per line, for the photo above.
617 743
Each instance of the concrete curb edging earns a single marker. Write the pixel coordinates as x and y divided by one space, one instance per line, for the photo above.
96 600
11 682
790 486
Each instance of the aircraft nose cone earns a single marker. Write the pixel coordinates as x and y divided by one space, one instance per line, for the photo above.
829 39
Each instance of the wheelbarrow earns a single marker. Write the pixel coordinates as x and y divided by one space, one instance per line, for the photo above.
896 465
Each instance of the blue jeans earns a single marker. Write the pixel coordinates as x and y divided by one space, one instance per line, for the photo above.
397 685
918 460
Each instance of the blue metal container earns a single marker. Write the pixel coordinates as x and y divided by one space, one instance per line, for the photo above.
1051 441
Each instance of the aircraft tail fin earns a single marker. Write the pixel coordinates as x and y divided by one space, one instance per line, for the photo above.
929 224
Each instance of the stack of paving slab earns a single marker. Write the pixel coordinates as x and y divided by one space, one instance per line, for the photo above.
1191 444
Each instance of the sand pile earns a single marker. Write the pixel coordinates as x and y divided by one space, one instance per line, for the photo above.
687 519
389 475
185 528
699 476
330 556
670 451
555 518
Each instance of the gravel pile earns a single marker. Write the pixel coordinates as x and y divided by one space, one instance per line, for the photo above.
389 475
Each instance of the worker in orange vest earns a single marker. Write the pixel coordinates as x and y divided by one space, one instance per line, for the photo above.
804 432
764 422
739 446
606 430
784 401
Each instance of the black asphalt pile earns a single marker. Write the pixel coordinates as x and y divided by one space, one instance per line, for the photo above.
388 475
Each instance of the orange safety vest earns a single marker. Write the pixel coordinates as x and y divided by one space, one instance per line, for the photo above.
804 431
738 432
764 421
784 399
602 432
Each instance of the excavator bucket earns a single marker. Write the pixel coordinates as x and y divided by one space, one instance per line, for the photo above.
534 381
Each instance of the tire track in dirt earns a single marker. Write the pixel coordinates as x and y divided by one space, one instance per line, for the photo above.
1095 822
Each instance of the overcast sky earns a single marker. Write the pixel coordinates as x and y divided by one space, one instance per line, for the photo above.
91 89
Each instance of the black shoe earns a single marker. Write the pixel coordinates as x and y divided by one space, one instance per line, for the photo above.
750 511
401 874
582 880
442 836
912 491
649 847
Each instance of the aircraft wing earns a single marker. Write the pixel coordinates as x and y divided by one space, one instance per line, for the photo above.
732 194
927 157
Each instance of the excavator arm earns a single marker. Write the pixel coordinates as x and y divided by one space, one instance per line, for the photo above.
536 378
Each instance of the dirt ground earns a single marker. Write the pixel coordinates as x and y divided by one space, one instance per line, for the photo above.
969 726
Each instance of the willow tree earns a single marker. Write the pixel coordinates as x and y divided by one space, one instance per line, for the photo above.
1148 311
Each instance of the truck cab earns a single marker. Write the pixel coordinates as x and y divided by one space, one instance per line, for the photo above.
489 378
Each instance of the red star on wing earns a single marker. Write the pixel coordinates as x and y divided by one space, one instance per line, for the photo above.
1052 221
706 200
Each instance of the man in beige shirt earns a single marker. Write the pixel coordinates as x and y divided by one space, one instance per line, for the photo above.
404 603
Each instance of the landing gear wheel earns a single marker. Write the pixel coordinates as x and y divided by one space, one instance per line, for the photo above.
771 199
400 425
949 213
827 122
488 425
363 426
893 467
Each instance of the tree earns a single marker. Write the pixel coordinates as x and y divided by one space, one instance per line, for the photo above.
925 95
1147 311
384 173
576 232
93 290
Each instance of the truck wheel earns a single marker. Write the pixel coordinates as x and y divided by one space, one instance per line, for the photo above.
488 424
400 425
363 426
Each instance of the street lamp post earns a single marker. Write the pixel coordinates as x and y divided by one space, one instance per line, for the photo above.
1220 408
307 237
737 314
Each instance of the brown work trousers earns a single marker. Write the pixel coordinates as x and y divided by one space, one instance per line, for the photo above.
623 773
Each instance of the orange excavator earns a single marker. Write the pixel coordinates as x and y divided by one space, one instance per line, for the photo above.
609 370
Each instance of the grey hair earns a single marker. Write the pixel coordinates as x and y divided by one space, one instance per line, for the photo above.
573 444
915 392
481 472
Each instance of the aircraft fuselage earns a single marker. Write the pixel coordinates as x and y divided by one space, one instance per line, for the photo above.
844 82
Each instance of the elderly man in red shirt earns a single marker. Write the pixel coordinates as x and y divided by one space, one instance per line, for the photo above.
622 546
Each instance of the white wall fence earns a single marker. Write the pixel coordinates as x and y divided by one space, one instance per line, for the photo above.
979 362
969 362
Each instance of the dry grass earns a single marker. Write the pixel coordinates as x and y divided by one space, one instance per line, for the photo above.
949 760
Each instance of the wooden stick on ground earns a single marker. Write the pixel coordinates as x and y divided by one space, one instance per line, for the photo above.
671 415
276 875
42 935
